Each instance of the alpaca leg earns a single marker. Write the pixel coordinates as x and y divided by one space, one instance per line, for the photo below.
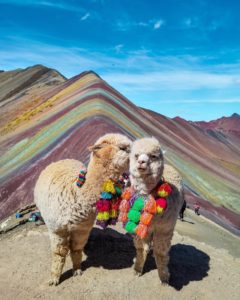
79 238
161 246
76 257
59 246
162 265
142 249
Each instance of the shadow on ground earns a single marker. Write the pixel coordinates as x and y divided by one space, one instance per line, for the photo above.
187 221
113 250
186 264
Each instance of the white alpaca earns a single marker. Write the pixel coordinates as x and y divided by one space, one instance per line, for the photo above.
146 171
69 211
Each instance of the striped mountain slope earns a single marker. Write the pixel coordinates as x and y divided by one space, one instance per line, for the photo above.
72 115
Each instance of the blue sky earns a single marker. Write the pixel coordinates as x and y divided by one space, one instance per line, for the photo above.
176 57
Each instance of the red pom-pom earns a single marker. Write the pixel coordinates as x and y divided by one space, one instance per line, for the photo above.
166 187
99 205
115 203
103 205
162 202
164 190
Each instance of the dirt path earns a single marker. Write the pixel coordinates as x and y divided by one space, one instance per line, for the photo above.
198 270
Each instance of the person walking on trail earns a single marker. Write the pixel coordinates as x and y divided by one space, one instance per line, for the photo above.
196 209
181 213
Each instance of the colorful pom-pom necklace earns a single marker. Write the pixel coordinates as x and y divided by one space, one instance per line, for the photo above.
81 178
136 211
108 204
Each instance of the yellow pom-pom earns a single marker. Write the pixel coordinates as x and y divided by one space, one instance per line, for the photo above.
160 210
113 213
108 187
163 193
106 215
100 216
164 190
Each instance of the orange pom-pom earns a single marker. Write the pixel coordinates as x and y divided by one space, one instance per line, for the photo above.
127 194
146 218
123 217
141 231
150 205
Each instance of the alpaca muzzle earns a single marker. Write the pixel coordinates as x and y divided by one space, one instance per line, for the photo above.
142 162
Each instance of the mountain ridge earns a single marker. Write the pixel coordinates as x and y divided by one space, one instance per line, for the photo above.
20 79
223 124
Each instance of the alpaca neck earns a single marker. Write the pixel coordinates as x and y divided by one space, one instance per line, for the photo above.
144 185
96 175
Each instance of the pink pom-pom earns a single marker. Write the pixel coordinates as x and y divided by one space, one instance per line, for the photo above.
124 206
162 202
103 205
123 217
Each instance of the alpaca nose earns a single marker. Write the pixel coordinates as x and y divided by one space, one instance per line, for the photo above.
143 159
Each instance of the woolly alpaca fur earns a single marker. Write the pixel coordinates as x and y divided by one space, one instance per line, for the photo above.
146 170
69 211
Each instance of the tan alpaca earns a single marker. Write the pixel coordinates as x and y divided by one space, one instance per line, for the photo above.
146 170
69 211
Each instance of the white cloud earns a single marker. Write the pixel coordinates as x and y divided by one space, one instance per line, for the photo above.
203 100
69 61
175 79
85 17
144 24
158 24
52 4
124 26
188 22
195 22
127 25
118 48
136 73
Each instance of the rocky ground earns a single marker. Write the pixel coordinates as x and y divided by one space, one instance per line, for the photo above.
204 264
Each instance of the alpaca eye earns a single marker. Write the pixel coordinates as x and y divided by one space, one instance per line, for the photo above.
154 156
124 149
136 156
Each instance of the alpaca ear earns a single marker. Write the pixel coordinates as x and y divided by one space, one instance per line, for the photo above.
95 148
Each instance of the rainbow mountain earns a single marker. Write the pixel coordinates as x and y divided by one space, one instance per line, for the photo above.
46 117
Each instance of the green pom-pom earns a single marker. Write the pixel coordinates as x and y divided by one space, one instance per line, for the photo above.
138 204
118 190
134 215
130 227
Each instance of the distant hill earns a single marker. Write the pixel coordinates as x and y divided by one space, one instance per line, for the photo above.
225 124
22 89
60 121
229 125
17 81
